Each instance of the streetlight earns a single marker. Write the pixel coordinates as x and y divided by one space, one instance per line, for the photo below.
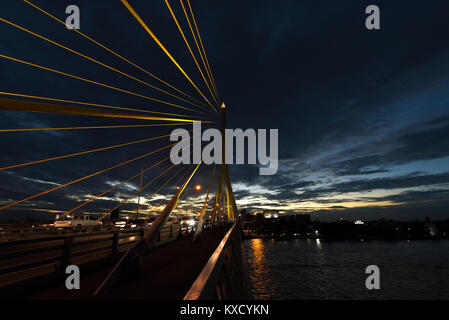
198 188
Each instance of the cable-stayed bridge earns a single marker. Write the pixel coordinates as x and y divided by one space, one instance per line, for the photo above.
159 259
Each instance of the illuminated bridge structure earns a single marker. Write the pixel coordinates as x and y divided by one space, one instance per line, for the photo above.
159 261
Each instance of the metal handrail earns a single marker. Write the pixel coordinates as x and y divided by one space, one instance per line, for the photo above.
226 261
50 238
116 239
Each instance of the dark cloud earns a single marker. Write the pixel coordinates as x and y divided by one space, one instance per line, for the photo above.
352 106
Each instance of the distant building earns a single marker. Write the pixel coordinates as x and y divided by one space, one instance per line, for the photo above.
299 219
268 214
265 216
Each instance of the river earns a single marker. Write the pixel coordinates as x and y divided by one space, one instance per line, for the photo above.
312 269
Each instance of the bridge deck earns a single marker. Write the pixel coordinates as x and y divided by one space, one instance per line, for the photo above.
168 273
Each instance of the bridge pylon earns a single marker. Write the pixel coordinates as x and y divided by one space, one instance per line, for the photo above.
223 181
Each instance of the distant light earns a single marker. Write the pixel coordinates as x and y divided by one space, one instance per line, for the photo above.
198 187
267 215
359 222
177 188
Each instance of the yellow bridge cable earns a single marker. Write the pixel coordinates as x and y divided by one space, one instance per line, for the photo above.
96 83
41 107
155 192
85 177
83 152
169 191
112 188
112 52
199 51
126 199
181 190
203 209
182 195
96 61
202 46
208 188
143 24
210 185
90 104
98 127
190 49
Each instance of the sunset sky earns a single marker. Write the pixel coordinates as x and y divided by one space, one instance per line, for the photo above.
363 116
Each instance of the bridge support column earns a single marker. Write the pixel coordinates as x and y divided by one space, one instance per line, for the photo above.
224 181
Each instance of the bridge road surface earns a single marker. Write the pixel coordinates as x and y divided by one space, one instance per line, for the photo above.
168 273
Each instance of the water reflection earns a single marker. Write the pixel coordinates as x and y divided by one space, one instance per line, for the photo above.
315 269
259 271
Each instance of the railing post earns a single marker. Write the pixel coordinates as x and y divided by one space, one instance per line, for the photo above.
114 247
66 252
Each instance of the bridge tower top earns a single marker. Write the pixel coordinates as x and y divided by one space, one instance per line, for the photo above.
223 128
